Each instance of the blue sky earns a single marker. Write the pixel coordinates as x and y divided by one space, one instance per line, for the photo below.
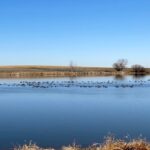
87 32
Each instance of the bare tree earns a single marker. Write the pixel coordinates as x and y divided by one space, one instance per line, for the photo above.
72 66
138 69
120 65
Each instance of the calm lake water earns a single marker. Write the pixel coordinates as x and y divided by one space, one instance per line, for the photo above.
61 116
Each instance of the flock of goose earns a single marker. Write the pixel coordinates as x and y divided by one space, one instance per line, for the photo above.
79 84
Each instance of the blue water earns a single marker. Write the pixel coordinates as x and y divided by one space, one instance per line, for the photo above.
61 116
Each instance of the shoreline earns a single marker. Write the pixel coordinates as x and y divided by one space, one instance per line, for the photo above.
62 71
109 144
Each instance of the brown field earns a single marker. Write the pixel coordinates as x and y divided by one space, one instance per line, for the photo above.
58 71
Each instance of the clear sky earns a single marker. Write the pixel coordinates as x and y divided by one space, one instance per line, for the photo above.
87 32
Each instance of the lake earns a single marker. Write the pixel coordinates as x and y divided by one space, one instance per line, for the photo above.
57 116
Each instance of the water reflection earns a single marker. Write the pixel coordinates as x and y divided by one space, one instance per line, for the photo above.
139 76
119 77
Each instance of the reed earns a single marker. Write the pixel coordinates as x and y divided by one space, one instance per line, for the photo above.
109 144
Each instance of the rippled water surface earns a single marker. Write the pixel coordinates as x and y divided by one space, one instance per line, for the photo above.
61 115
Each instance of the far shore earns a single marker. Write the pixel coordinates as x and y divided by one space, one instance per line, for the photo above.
61 71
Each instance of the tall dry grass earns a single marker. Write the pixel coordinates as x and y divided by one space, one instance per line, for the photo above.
109 144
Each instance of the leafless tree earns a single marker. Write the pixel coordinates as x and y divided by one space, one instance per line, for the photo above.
120 65
72 66
137 69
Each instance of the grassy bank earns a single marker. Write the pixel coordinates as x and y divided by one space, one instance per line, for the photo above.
109 144
59 71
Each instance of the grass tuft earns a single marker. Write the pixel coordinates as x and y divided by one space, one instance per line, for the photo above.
109 144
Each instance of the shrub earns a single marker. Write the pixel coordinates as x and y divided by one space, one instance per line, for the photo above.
120 65
138 69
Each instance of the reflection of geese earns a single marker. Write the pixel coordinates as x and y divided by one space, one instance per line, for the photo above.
97 86
131 86
104 86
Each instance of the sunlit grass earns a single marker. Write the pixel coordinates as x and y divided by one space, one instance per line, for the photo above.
109 144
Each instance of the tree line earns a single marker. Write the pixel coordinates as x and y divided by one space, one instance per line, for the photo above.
121 64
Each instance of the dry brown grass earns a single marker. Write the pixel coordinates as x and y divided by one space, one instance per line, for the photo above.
60 71
31 147
109 144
